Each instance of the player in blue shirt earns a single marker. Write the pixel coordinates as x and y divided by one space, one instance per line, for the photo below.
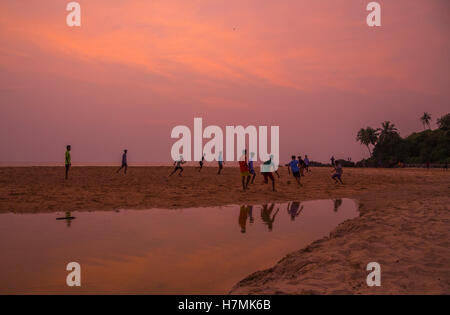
294 167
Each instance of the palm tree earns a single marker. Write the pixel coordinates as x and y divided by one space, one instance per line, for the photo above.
386 131
367 136
425 119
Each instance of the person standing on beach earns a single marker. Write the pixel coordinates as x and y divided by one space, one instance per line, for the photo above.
338 173
124 162
306 160
266 170
251 168
332 161
293 166
68 161
178 166
201 162
220 162
243 167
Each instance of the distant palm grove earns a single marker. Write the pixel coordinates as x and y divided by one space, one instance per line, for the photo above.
387 148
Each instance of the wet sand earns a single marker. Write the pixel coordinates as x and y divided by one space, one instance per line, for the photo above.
404 223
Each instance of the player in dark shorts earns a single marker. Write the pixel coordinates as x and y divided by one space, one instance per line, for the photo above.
178 166
293 166
251 167
301 165
201 162
124 162
338 173
266 170
220 162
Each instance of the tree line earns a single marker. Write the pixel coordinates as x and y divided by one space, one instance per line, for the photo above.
387 148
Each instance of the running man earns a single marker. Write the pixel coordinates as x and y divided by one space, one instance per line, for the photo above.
68 161
338 173
251 168
243 167
201 162
220 162
124 162
294 209
266 170
306 160
178 166
293 166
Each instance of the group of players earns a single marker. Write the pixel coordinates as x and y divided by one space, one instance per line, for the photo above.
297 166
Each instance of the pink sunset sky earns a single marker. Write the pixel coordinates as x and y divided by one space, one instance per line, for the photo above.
137 68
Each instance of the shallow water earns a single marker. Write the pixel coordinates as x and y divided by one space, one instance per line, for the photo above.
158 251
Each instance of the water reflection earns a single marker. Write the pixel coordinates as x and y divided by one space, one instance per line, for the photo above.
266 215
159 251
294 209
68 218
337 204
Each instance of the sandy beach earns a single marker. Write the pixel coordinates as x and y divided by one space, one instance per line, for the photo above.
404 223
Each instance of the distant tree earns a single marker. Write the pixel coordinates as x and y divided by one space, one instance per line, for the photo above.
425 119
419 147
444 122
387 131
367 136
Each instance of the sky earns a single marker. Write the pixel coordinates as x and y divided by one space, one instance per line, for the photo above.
135 69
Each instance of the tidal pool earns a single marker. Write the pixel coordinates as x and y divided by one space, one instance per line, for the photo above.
158 251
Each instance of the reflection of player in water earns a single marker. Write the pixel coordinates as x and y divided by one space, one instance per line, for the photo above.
243 214
250 214
68 218
294 209
266 215
337 204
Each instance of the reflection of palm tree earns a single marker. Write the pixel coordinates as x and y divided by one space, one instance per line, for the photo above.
425 119
337 204
265 215
294 209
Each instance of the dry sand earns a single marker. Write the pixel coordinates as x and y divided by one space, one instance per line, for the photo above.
404 223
